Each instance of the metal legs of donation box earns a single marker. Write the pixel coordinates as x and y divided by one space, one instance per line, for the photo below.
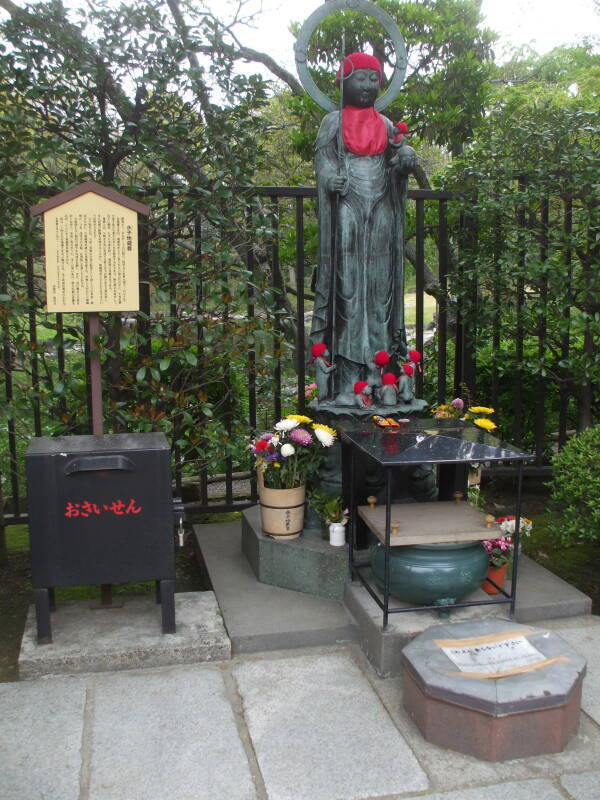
44 604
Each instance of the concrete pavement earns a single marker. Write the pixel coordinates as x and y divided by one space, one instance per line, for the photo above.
310 724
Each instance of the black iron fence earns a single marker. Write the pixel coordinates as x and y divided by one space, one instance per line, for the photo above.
218 349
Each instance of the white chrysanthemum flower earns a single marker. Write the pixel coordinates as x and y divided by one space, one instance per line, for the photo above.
326 438
287 450
286 425
274 441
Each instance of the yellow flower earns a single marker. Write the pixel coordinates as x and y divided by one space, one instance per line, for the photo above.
481 410
324 434
486 424
319 426
299 418
277 465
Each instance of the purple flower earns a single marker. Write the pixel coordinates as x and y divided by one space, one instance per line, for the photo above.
457 403
302 437
265 437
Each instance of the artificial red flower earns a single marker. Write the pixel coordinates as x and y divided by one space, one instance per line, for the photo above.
382 358
360 386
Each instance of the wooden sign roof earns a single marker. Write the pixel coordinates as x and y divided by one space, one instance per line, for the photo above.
85 188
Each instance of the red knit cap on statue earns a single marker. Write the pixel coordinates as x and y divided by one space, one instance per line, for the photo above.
318 349
408 369
382 358
359 61
360 386
389 379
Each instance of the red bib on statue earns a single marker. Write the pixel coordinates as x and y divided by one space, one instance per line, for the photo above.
364 131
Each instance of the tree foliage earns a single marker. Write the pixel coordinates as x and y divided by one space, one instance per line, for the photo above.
127 97
575 487
530 184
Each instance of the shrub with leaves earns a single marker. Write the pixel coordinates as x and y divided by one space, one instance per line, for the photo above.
576 487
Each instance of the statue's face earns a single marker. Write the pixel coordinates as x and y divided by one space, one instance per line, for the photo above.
361 88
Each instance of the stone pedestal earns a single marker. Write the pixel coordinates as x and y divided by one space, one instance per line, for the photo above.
308 564
494 719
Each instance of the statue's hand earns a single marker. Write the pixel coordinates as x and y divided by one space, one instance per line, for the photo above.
405 160
337 185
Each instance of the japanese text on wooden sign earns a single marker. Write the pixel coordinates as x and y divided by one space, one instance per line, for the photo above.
91 256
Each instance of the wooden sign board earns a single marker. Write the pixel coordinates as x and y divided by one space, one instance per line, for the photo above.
91 250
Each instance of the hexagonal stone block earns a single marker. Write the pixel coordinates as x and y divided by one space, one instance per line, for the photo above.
498 718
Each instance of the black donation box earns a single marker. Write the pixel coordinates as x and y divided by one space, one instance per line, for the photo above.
100 512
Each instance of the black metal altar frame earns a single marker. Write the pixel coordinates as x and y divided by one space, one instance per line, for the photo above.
355 567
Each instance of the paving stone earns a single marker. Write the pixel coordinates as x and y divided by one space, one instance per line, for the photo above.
586 641
515 790
40 746
166 734
320 732
582 786
86 640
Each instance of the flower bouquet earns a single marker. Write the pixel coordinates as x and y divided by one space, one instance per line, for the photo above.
292 452
507 525
499 551
456 410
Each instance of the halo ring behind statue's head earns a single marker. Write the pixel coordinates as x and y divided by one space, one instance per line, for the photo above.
326 10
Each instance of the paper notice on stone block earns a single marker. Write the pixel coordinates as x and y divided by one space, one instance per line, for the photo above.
494 656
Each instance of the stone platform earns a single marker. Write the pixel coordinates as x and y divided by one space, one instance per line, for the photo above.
541 595
527 713
262 617
259 616
307 564
125 637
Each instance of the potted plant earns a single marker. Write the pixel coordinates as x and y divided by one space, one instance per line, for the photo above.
330 507
285 458
499 552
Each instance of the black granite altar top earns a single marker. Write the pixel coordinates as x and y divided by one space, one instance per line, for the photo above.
425 441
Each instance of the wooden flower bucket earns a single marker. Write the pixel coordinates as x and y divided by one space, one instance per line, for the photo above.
281 510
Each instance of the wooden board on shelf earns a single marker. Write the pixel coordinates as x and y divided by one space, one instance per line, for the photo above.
429 523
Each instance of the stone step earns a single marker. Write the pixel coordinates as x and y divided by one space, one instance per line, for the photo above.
261 617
